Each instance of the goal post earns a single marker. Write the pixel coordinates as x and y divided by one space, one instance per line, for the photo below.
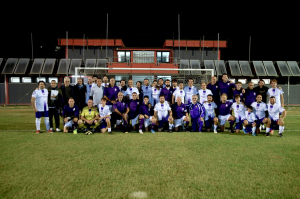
139 74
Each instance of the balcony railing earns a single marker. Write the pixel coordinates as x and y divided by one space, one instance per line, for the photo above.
146 59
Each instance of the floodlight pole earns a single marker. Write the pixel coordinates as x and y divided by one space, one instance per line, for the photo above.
288 104
249 47
83 47
31 48
67 51
218 55
179 35
106 35
203 49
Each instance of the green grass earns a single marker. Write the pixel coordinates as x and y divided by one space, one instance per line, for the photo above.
178 165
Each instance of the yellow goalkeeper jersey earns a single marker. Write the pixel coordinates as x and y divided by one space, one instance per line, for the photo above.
89 113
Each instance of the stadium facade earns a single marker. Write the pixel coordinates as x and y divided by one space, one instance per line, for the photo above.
19 75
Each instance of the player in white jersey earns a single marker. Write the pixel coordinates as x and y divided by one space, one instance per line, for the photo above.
277 93
189 90
178 93
104 117
155 94
39 101
203 93
210 117
163 113
260 108
131 89
105 81
239 112
249 122
274 110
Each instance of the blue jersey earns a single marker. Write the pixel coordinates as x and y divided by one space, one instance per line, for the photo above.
178 111
70 112
224 108
111 93
215 91
145 110
189 92
196 110
134 106
147 90
226 88
120 106
250 97
88 91
238 92
167 93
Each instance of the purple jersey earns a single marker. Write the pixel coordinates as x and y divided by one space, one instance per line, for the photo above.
215 91
226 88
167 93
249 96
145 110
178 111
111 93
196 110
134 106
224 108
120 106
71 112
237 92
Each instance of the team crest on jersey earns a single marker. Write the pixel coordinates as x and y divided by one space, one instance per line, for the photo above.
73 109
226 105
148 109
216 86
124 103
227 83
254 93
182 109
138 102
115 89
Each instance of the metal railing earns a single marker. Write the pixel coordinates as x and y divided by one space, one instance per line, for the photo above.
143 59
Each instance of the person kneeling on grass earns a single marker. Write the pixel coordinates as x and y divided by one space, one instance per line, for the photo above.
134 108
163 113
210 117
89 116
104 117
249 121
70 114
274 110
239 113
224 113
197 113
146 110
180 115
120 108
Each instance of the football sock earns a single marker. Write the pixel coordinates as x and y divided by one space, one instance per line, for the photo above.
253 129
75 125
170 126
38 123
281 128
109 129
141 123
267 130
47 123
152 126
231 124
215 127
187 124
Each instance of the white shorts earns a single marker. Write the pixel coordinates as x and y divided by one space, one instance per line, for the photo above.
178 122
69 124
147 121
224 118
134 121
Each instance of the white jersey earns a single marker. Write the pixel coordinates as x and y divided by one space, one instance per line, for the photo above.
179 93
103 111
239 110
203 95
209 110
189 92
155 95
259 109
41 99
129 92
105 84
94 84
250 117
274 111
162 110
276 92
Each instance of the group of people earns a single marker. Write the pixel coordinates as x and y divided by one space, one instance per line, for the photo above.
160 105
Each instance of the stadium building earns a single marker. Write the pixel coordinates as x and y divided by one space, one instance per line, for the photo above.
102 56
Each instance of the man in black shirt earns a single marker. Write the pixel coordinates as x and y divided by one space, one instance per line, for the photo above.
262 90
67 91
79 94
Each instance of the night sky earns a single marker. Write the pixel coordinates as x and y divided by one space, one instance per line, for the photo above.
274 37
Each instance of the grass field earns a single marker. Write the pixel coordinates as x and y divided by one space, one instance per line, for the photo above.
164 165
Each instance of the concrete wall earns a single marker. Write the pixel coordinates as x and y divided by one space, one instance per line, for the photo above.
194 53
91 53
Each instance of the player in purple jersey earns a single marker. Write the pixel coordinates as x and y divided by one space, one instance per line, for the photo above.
249 95
111 94
224 113
197 114
238 90
120 108
226 87
134 108
145 115
180 115
166 91
70 114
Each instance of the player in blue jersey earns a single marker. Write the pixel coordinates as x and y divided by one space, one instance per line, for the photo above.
197 114
226 87
161 83
180 115
238 91
224 113
120 108
145 115
249 95
210 118
147 90
70 114
189 90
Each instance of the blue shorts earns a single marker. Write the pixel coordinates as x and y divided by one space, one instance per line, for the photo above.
162 122
274 124
248 128
239 125
103 124
41 114
259 121
209 122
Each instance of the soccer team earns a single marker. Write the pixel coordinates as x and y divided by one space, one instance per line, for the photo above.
161 105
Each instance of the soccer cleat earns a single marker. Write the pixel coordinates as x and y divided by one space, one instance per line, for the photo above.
215 131
75 131
140 131
49 131
57 130
37 132
280 134
110 133
187 131
170 131
200 132
268 134
126 132
152 131
232 130
253 134
245 131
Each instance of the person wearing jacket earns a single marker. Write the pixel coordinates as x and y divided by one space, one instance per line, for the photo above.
79 94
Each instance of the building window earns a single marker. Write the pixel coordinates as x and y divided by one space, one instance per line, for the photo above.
15 79
26 79
143 56
163 57
123 56
52 78
41 79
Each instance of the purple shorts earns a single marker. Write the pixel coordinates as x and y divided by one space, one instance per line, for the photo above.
162 122
41 114
239 125
209 122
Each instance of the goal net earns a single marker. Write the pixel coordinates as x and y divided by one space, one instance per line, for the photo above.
139 74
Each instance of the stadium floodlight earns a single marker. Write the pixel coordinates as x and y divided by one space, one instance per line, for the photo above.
267 81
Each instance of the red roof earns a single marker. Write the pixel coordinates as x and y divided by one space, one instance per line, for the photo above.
195 43
92 42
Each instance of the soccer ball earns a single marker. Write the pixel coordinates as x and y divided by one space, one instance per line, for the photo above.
88 133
